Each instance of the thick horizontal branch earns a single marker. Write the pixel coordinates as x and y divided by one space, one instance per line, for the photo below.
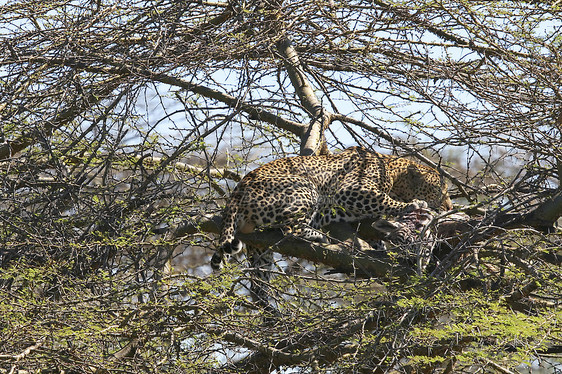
341 257
350 257
542 218
548 212
337 256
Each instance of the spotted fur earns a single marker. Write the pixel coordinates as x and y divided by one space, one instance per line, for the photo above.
304 193
410 235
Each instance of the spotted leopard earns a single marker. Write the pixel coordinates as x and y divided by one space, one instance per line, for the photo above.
305 193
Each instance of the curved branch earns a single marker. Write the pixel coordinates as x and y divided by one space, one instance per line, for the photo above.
254 111
121 68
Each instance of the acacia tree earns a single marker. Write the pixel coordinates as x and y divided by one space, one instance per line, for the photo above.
126 123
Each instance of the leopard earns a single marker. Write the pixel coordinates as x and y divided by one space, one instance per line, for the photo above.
303 194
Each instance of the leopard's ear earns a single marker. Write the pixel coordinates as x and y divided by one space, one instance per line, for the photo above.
385 226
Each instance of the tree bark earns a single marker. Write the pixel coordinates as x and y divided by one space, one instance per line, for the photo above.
312 141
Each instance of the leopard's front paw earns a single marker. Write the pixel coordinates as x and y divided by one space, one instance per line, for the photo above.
415 205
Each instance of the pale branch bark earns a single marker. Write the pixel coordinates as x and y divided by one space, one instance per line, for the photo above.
129 350
312 141
159 164
149 162
25 353
302 86
191 169
211 224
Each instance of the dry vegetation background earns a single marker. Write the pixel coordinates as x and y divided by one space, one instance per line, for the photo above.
125 124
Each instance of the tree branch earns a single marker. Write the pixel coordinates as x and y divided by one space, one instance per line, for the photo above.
352 256
402 13
340 257
254 111
121 68
547 213
343 257
312 141
96 95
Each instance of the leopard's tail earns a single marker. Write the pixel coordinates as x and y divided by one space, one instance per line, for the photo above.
227 244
